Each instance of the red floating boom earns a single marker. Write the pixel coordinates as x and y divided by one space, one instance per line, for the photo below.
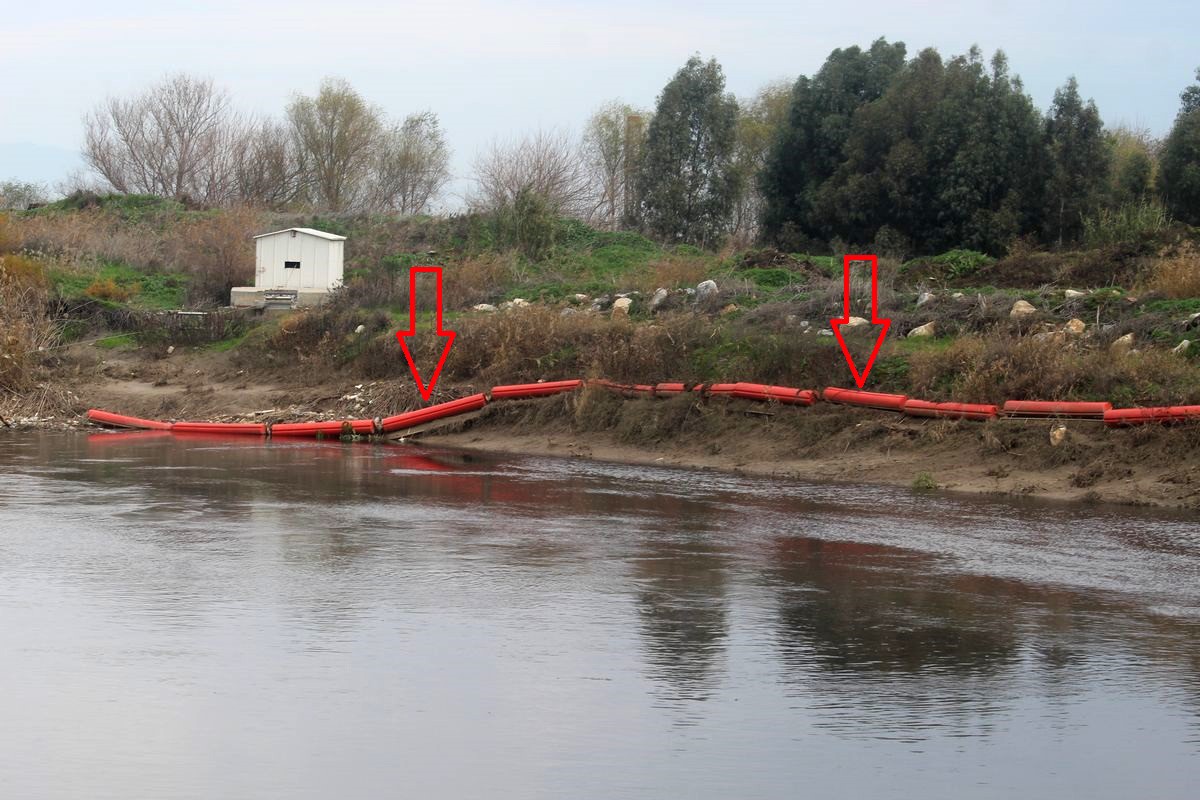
924 408
121 421
778 394
852 397
523 390
238 428
421 416
1165 415
1039 409
335 428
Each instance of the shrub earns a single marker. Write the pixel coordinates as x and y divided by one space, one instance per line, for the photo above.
1129 222
108 289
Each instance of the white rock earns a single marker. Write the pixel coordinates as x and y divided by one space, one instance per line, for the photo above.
856 322
580 298
1058 435
825 332
1182 347
925 297
922 330
1074 327
488 307
171 349
705 290
621 306
958 295
660 297
516 302
361 329
1074 294
1021 309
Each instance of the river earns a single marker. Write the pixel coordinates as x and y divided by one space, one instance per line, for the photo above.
203 618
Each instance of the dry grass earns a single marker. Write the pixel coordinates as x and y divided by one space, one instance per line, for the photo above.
27 328
215 250
673 272
1177 275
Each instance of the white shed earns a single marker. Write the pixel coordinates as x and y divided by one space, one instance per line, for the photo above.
299 265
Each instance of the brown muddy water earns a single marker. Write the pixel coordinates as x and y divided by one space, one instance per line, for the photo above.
206 618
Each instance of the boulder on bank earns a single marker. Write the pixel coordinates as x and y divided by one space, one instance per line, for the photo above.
486 308
621 306
1122 345
922 330
706 290
1021 308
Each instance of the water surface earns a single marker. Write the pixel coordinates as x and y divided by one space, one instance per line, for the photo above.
186 618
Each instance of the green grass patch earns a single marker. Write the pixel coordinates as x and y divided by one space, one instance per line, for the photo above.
774 278
225 345
120 341
148 290
924 344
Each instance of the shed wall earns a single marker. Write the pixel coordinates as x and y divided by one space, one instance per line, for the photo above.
321 262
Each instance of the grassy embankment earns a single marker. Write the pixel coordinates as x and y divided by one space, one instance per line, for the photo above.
101 272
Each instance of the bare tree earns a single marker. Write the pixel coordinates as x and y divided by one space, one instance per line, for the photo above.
19 195
336 134
411 165
610 145
168 141
266 166
759 119
546 164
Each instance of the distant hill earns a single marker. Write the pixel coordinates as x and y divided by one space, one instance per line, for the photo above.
37 162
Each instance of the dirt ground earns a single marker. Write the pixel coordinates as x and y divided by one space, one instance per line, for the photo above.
1144 466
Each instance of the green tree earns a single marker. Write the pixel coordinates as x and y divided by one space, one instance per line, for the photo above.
950 155
1131 154
1079 162
1190 97
808 146
687 181
1179 169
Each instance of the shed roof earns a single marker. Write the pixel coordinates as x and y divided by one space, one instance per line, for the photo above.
333 237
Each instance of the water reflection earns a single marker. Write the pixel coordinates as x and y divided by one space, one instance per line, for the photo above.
681 606
691 627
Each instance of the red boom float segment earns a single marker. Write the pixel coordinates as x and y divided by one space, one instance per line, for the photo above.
1040 409
236 428
778 394
1163 415
523 390
335 428
421 416
924 408
121 421
852 397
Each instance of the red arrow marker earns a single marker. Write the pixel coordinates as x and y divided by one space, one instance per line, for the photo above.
402 336
836 324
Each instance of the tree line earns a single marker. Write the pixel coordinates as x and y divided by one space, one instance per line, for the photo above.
182 139
912 155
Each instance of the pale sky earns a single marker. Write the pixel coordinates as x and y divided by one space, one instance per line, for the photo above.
493 69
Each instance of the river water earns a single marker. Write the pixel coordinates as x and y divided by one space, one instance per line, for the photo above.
211 618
